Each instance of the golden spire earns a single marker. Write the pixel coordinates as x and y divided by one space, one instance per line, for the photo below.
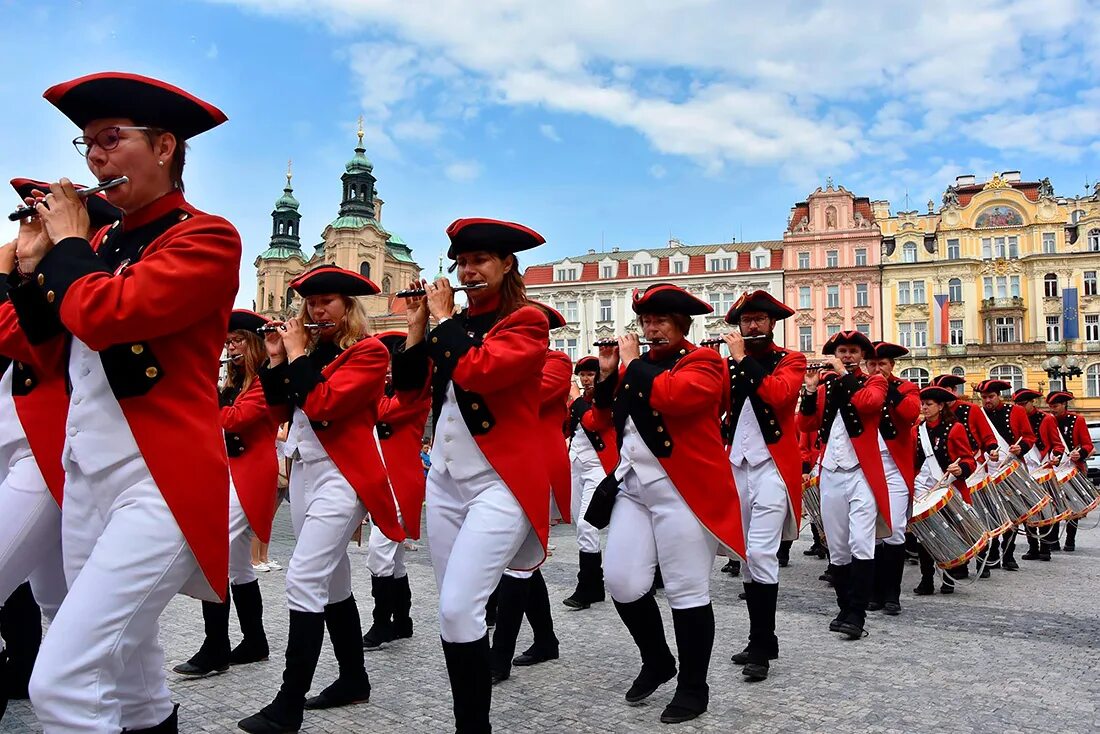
360 131
289 171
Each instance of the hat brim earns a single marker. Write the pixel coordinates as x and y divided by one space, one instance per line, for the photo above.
939 394
245 320
948 381
144 100
490 235
886 350
1059 397
760 301
331 279
587 364
856 338
997 386
1025 396
667 298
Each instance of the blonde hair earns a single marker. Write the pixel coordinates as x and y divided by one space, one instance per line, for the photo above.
254 354
355 326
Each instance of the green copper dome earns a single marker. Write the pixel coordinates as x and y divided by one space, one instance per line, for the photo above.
359 163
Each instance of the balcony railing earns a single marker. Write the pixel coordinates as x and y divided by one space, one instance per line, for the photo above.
955 350
1012 302
1057 347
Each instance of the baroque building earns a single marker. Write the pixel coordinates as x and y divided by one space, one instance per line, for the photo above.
831 268
355 240
594 291
1000 280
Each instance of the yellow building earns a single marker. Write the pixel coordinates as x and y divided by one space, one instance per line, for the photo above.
1000 281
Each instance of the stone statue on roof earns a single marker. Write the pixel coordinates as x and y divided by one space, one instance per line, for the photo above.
1046 189
951 196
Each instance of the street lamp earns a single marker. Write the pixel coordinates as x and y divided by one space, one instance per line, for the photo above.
1060 370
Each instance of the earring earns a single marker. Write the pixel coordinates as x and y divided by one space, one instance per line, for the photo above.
160 163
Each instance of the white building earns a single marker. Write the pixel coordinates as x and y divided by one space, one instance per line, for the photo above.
594 291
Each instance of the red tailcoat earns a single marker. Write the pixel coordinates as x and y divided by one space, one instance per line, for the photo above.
958 449
867 400
165 314
1049 437
342 406
688 399
903 409
255 469
1075 432
41 401
553 412
402 418
778 391
977 427
808 449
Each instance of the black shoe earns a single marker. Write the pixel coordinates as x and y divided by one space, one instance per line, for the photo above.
649 680
1031 555
755 671
253 647
381 632
499 676
742 658
892 608
1069 547
1009 564
947 588
275 718
732 567
852 631
875 606
250 651
926 587
379 636
534 656
835 624
742 596
341 692
813 550
1044 556
694 643
352 685
784 562
171 725
199 669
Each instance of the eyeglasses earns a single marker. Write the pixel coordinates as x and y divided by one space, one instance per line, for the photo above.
107 139
234 341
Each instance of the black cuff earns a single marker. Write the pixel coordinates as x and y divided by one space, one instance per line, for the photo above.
751 368
806 467
993 447
447 343
808 405
302 377
603 395
1025 446
410 367
67 262
276 384
4 286
966 472
37 316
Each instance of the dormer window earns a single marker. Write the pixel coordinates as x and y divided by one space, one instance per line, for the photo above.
641 269
566 273
761 259
720 263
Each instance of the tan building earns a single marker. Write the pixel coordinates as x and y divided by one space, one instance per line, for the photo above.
1000 280
355 240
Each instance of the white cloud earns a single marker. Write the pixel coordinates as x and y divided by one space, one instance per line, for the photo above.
462 171
549 133
212 51
657 171
416 128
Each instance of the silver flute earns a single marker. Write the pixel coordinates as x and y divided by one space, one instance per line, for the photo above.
29 211
315 325
415 292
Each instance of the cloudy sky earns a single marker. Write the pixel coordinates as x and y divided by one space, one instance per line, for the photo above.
598 122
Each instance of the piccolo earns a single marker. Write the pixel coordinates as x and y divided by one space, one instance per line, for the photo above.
826 366
233 360
318 325
659 341
416 292
712 342
29 211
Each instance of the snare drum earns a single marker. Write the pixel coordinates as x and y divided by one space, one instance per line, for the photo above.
947 527
1022 497
811 503
1082 496
987 504
1058 509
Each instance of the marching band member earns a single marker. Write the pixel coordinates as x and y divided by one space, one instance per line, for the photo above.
942 447
487 493
978 430
1014 437
899 414
250 430
592 456
328 382
402 417
854 493
144 305
524 593
1078 443
678 501
764 384
32 429
1048 448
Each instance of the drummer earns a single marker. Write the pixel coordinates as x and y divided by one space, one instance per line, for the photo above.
1075 435
1047 451
942 448
1014 439
977 427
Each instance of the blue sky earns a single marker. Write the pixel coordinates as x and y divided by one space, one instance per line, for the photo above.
613 122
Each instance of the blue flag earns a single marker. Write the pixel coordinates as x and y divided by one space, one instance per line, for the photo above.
1070 328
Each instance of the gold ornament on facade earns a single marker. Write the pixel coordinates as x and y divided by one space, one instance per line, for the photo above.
996 182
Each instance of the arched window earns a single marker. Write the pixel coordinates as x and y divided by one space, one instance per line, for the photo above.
909 252
351 192
290 228
1009 373
917 375
261 299
959 372
1092 381
289 297
364 269
282 226
1094 240
955 290
1050 285
386 284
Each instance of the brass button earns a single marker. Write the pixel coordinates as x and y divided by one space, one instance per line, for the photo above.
655 413
41 279
475 406
51 296
626 386
660 429
184 216
137 349
485 424
151 372
641 394
286 380
772 422
28 382
435 340
667 444
324 424
447 353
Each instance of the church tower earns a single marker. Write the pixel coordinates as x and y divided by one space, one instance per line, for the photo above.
283 260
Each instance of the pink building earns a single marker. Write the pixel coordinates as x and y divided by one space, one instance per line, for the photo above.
831 268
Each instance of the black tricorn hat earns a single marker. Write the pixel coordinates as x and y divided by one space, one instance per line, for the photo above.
244 320
855 337
668 298
759 300
333 279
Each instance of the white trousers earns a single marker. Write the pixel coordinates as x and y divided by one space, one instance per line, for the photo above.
240 542
30 537
585 476
899 500
385 557
475 528
849 513
101 666
325 512
764 508
651 523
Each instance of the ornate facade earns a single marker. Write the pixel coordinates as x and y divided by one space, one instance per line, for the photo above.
831 267
355 240
998 280
594 291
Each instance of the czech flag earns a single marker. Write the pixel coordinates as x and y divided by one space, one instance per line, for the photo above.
941 316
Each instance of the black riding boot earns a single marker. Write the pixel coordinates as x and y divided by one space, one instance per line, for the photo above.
250 613
545 645
213 655
303 648
381 632
402 606
694 642
512 595
861 578
643 620
1071 536
21 627
589 582
346 633
471 685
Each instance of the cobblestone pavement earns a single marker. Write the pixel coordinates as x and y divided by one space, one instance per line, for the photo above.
1015 653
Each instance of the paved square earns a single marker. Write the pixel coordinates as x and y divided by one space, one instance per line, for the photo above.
1015 653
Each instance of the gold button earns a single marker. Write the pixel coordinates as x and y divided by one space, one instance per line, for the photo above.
641 394
41 279
626 386
475 406
485 424
183 216
28 382
660 429
324 424
772 422
137 349
435 339
50 296
151 372
656 413
18 365
667 444
447 353
286 380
